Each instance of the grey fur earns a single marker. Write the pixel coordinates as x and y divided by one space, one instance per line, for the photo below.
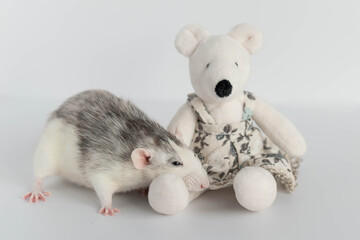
110 128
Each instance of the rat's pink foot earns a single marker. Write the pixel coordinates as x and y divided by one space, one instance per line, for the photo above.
109 211
36 195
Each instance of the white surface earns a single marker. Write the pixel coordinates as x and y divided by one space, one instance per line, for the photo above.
57 48
324 206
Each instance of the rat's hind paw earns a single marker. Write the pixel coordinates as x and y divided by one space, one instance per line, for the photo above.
109 211
36 195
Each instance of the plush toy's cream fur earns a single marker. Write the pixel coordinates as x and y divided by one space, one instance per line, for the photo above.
279 129
189 38
163 190
247 185
227 57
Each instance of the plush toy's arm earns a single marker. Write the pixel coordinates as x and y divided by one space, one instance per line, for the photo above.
279 129
183 123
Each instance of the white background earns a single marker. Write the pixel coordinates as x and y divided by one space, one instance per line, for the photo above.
308 68
58 48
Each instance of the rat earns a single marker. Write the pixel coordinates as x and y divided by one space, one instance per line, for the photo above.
103 142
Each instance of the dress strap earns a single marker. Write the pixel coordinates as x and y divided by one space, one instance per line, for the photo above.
249 105
200 109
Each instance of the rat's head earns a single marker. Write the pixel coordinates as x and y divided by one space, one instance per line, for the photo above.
219 65
171 156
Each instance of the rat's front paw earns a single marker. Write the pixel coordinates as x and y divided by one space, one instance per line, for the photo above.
36 195
109 211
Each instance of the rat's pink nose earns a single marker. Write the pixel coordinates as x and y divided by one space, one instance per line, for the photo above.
196 181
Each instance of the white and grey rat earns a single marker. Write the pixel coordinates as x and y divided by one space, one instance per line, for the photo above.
98 140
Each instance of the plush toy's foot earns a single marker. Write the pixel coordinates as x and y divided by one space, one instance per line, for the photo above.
168 194
36 195
109 211
255 188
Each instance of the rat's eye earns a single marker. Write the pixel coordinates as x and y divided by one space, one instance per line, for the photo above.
207 65
236 64
176 163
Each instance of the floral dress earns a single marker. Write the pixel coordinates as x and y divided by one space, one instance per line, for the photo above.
226 148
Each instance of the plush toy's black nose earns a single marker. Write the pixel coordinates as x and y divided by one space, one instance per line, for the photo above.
223 88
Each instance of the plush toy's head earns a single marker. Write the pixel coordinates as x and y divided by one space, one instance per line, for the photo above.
219 65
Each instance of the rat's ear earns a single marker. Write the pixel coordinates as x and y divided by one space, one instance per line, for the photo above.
140 158
249 37
189 38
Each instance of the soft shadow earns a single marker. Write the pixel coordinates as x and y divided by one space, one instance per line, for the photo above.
125 201
214 202
72 192
209 203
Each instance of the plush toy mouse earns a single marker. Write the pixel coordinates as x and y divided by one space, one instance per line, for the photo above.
224 125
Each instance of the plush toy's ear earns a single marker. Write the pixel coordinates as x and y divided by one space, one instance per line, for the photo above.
140 158
189 38
249 37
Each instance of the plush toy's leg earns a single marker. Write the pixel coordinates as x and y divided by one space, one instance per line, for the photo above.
255 188
168 194
105 189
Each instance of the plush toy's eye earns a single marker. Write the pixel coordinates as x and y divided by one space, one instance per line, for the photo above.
207 65
176 163
236 64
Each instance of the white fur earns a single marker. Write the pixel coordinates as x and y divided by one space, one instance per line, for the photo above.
57 153
255 188
192 172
